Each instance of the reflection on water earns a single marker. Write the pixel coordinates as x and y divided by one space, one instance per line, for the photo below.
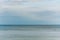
29 33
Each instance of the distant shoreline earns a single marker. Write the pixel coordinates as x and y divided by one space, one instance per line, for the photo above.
29 25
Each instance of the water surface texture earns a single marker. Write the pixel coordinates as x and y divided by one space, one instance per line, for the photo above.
29 33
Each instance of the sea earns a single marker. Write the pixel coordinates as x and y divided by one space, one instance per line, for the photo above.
30 32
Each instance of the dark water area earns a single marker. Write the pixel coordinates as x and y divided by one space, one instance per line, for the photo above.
20 27
29 32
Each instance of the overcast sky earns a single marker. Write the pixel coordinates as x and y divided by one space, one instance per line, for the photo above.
30 11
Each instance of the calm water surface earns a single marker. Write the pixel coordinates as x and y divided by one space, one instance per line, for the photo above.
29 33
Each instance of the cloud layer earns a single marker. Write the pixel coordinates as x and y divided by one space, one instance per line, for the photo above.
34 10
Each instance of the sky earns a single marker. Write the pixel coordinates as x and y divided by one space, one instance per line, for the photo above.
41 12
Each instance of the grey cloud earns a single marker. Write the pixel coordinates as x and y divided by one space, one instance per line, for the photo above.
19 2
14 2
42 15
